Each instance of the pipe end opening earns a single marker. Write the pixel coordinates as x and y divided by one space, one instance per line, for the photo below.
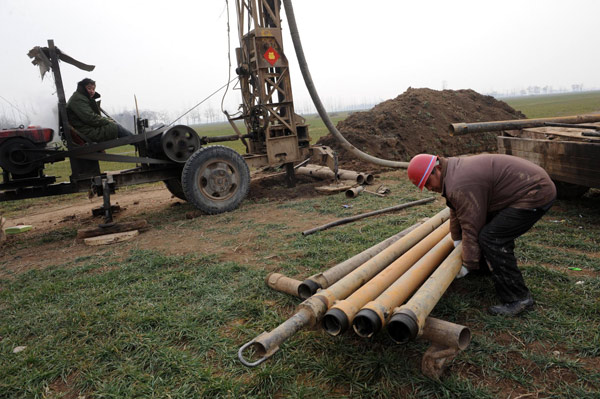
335 322
402 328
464 338
307 288
366 323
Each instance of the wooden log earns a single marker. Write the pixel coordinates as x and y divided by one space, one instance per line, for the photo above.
116 228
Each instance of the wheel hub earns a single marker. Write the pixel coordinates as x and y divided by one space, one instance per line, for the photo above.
220 181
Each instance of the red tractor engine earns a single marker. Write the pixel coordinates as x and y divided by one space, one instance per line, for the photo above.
16 145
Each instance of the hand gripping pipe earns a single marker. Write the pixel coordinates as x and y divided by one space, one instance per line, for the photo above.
374 315
339 318
289 12
407 321
310 312
330 276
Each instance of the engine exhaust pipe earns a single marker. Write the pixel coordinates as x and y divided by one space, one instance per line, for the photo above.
408 320
373 316
339 318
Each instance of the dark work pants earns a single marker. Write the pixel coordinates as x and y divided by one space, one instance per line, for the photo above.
497 243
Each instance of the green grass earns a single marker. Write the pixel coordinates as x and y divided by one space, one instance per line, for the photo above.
153 325
147 324
563 104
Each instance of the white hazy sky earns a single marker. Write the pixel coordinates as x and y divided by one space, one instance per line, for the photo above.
172 54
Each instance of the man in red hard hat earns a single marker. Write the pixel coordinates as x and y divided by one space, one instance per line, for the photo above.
493 199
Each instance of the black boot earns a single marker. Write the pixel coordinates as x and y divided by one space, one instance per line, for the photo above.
512 308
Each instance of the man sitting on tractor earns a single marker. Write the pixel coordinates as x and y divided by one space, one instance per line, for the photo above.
83 111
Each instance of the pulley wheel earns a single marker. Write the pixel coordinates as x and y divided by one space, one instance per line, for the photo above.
15 159
179 143
215 179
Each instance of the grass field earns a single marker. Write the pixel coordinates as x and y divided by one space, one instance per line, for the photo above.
149 325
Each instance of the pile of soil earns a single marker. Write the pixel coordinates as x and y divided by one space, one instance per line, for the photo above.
418 121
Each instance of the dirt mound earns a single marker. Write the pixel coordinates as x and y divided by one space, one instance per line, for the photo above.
417 121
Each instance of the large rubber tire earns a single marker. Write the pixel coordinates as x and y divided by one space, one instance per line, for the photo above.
215 179
569 191
175 187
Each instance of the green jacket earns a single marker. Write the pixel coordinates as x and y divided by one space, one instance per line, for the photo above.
84 115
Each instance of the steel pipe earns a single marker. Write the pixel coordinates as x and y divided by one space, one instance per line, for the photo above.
322 173
407 321
478 127
340 317
282 283
351 175
374 315
354 191
311 311
327 278
446 334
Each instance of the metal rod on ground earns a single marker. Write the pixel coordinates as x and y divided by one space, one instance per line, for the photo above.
310 312
407 321
365 215
330 276
373 316
339 317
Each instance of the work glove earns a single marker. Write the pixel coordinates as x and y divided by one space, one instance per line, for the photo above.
462 272
456 242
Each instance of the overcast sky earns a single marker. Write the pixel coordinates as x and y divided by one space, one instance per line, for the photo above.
172 54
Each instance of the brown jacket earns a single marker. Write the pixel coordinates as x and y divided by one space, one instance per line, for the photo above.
478 185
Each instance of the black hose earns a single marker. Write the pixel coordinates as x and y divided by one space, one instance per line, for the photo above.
289 12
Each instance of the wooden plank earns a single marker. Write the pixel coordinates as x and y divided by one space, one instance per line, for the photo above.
557 132
116 228
111 238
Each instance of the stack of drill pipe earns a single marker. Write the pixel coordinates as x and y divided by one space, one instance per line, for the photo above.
427 252
407 321
327 278
310 312
374 315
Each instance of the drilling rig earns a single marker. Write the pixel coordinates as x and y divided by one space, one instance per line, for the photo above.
214 178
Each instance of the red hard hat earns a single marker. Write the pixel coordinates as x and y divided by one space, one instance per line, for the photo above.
419 169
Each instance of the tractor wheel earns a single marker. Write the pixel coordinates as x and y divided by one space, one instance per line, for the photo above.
175 187
215 179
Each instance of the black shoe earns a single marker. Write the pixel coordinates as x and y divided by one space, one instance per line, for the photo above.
512 308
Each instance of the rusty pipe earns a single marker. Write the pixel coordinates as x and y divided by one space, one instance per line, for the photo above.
446 334
369 178
340 317
374 315
478 127
311 311
282 283
351 175
407 321
354 191
327 278
322 172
